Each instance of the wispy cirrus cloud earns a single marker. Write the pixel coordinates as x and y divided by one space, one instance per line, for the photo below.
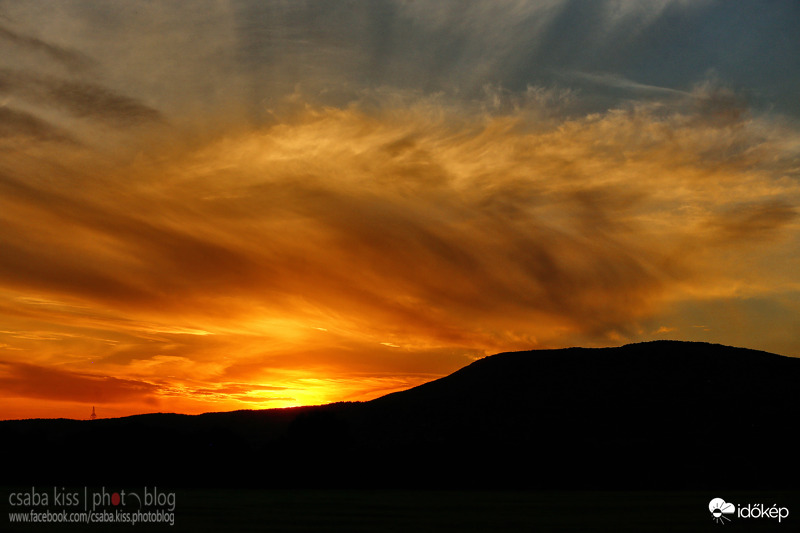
431 226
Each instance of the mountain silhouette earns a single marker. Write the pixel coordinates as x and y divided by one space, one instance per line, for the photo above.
655 415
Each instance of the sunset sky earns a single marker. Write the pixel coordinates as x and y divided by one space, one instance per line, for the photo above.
218 205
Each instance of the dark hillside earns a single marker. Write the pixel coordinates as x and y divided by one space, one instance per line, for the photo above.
659 415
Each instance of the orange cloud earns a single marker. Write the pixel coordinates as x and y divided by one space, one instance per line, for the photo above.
25 380
344 252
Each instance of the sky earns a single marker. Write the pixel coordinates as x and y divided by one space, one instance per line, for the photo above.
220 205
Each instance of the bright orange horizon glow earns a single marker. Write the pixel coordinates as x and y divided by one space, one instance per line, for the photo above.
183 232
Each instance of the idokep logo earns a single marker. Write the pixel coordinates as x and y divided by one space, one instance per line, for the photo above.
719 508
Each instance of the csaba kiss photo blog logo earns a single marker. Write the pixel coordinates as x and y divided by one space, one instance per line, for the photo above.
723 512
89 505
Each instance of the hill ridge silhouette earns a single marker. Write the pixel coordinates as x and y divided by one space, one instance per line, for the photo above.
645 415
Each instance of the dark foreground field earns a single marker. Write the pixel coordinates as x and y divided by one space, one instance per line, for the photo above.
637 438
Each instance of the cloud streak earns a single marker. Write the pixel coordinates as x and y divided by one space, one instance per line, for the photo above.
72 59
83 100
24 380
574 224
17 125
